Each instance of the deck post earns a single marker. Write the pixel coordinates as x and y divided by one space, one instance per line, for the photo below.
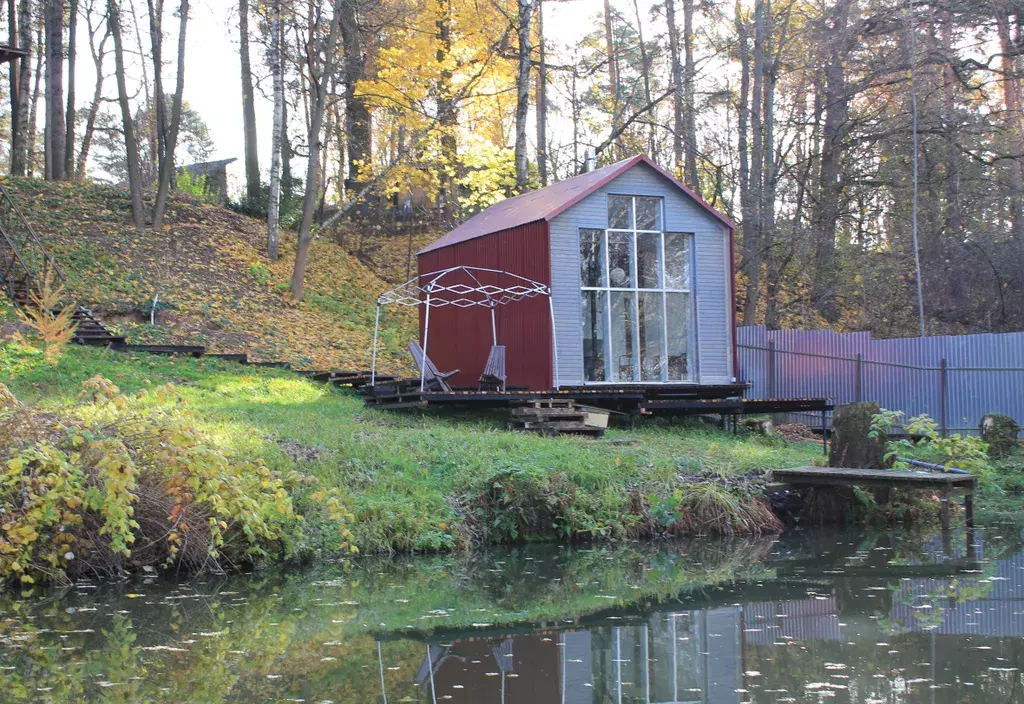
943 390
944 512
376 329
969 510
824 433
858 378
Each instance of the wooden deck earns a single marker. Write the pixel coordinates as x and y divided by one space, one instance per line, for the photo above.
947 483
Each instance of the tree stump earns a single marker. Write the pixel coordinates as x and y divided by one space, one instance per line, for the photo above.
1000 432
851 446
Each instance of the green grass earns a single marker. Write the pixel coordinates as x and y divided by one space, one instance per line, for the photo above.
422 482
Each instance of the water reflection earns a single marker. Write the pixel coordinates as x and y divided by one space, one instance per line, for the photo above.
813 617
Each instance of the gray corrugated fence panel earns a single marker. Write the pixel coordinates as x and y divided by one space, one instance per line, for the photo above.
985 372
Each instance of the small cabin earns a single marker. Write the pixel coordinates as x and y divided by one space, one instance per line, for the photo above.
640 273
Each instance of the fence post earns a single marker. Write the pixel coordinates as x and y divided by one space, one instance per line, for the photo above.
858 378
943 391
771 368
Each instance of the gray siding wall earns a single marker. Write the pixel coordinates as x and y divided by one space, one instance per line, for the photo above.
711 279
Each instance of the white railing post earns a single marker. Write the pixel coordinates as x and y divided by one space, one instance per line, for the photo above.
426 336
554 339
373 364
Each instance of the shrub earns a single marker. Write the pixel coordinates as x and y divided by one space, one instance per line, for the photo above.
49 317
193 185
132 482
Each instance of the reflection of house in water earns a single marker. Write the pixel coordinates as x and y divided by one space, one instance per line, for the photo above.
681 657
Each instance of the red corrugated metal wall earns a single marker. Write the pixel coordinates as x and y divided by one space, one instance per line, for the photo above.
460 338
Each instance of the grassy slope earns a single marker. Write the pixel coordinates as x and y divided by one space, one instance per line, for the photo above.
415 481
216 286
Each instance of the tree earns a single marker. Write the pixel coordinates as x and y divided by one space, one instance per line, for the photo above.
358 130
158 127
542 99
277 134
98 52
167 165
252 160
15 79
128 126
69 134
319 73
54 139
19 131
677 84
523 94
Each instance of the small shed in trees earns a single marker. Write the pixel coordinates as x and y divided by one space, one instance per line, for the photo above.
215 175
640 271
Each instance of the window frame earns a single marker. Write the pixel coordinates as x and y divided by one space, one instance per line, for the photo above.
636 290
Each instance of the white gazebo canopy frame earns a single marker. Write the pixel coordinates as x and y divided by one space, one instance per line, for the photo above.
435 290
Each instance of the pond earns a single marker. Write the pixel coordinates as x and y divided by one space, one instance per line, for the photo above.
812 616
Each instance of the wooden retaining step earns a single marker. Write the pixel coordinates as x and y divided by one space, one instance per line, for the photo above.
181 350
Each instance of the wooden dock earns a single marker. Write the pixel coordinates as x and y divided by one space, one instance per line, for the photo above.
947 483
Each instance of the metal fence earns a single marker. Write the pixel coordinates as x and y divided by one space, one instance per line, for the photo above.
954 379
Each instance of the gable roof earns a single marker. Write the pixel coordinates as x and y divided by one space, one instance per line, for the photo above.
546 203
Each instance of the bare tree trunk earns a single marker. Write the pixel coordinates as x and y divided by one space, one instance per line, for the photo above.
523 95
836 101
69 136
645 70
359 140
754 252
277 69
541 110
98 54
767 210
252 159
313 160
158 118
1012 121
613 70
53 142
677 83
33 115
15 79
167 165
447 111
954 224
130 143
287 177
19 126
689 106
749 182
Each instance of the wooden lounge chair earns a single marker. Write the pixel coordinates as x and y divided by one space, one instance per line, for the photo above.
493 376
432 377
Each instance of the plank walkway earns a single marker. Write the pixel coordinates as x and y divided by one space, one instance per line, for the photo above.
947 483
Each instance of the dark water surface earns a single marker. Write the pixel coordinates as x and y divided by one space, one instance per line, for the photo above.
814 616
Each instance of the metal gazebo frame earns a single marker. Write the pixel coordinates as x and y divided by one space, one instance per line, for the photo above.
438 295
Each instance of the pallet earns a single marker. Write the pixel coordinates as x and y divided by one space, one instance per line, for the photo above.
552 417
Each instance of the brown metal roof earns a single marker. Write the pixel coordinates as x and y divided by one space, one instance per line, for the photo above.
546 203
